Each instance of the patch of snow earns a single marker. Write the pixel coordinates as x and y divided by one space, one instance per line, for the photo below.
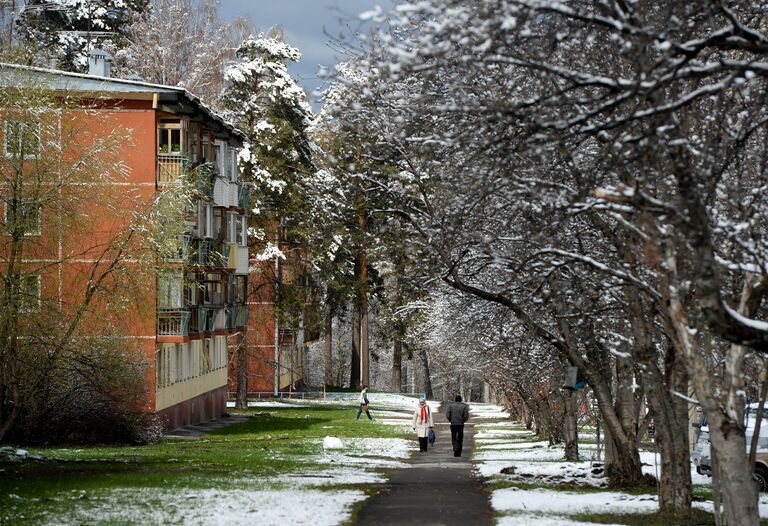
332 443
537 520
568 502
216 507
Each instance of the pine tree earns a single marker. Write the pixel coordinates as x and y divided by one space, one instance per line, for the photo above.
63 31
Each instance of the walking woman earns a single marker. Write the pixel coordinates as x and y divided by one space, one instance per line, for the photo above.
422 423
363 400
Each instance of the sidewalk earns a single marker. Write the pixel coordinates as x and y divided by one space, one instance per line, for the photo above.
438 488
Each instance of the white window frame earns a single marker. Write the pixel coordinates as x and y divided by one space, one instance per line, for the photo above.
233 173
25 305
23 124
38 216
231 227
167 128
170 293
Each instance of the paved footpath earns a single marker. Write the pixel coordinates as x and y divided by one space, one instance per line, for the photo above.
437 490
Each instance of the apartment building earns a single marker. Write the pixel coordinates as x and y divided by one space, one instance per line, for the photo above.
194 310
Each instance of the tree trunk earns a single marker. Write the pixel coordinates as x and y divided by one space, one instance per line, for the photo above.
362 299
571 434
397 365
670 413
354 373
726 429
365 354
427 377
328 346
622 458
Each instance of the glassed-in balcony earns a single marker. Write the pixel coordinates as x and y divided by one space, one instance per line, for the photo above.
244 197
203 177
237 316
175 250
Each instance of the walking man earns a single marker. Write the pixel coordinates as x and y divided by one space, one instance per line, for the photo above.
457 414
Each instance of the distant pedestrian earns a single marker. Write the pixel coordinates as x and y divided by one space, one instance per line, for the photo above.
363 400
457 414
422 423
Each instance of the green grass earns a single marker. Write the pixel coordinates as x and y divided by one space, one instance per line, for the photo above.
283 440
660 518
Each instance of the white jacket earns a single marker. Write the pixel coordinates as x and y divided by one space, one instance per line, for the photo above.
422 428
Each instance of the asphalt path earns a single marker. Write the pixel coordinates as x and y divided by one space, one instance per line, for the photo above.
437 489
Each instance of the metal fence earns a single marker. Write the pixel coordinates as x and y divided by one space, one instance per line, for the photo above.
351 396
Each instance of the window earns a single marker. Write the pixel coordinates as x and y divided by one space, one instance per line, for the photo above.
241 230
231 226
213 289
218 222
21 139
29 293
237 289
205 357
205 221
22 215
179 365
233 172
169 289
190 291
169 139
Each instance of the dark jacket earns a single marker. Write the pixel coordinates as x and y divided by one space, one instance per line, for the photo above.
457 414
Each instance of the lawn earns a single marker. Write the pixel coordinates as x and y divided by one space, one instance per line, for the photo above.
253 455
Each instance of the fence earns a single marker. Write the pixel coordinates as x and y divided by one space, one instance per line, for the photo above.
351 396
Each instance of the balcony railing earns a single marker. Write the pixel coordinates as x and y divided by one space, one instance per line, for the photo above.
171 168
203 256
173 322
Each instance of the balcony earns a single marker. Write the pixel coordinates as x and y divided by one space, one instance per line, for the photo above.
220 256
237 316
173 322
176 250
244 198
204 177
171 168
205 318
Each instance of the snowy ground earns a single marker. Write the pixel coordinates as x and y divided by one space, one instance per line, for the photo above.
524 459
312 496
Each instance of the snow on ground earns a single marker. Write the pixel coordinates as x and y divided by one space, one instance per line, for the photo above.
502 433
538 520
569 502
487 411
525 459
331 477
214 507
309 496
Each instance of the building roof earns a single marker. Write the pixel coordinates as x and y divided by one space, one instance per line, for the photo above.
182 100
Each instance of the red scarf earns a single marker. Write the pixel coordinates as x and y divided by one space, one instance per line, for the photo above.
423 414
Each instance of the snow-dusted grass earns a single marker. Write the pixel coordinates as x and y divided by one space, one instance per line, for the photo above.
206 507
270 469
538 488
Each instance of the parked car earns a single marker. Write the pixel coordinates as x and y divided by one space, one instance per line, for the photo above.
700 456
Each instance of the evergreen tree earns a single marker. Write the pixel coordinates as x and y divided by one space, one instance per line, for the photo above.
63 31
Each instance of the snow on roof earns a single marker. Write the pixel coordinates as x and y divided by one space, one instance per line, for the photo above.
64 80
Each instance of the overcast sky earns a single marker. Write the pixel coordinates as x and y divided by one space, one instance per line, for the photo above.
307 24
